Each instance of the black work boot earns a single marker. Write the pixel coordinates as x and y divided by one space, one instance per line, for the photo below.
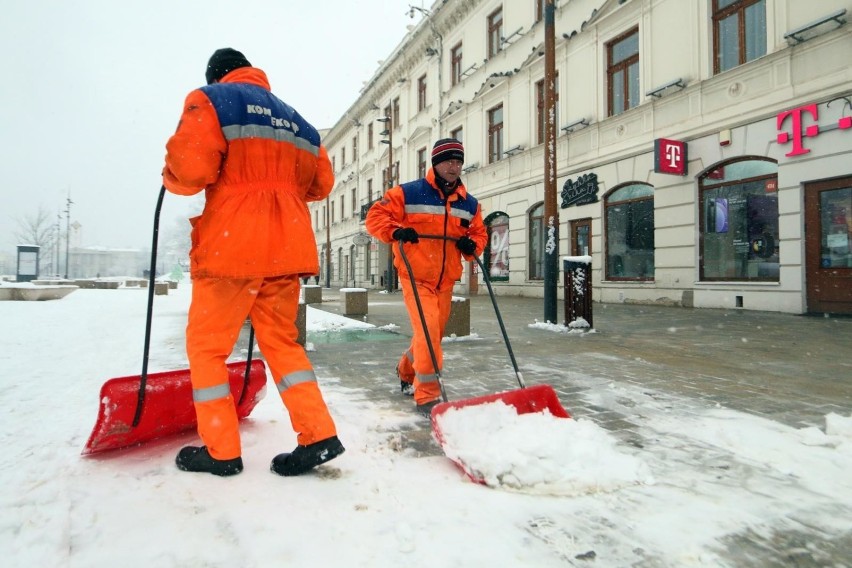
195 458
425 409
305 458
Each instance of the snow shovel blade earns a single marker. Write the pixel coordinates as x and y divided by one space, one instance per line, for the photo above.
168 406
538 398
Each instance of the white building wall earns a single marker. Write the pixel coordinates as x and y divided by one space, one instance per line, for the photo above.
675 43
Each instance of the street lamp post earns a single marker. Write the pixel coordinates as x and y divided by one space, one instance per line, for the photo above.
551 213
388 131
68 203
328 241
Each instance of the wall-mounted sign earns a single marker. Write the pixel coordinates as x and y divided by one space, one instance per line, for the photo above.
797 118
361 239
670 157
580 192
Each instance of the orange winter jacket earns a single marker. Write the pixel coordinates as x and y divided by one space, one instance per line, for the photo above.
259 163
423 207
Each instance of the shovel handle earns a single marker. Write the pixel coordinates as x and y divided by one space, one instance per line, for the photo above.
493 303
143 379
423 319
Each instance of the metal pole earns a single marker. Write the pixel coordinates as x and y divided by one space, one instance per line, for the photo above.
390 185
328 241
67 232
551 213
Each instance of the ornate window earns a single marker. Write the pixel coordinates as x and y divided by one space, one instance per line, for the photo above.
495 32
456 64
629 219
495 134
623 72
739 32
421 93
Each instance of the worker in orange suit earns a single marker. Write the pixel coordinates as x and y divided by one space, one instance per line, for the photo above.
259 163
436 205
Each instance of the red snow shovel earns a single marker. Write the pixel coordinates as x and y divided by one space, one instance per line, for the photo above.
138 409
538 398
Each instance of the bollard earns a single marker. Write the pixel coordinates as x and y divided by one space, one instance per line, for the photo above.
301 324
354 301
458 323
312 294
578 291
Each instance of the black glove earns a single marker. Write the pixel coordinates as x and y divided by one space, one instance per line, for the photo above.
406 235
466 245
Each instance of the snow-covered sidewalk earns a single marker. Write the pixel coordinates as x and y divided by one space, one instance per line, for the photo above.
707 482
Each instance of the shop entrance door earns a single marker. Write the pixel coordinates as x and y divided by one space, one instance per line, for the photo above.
581 237
828 246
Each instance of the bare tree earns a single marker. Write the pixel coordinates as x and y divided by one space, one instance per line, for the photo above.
37 229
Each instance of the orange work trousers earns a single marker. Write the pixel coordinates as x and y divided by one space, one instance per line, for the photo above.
416 363
218 310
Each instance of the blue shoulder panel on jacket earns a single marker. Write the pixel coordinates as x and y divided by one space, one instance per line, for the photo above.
242 104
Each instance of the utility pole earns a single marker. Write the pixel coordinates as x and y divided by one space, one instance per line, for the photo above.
551 213
328 241
57 244
388 131
68 203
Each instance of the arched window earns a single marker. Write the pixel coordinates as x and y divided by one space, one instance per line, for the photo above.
536 242
739 221
496 255
630 232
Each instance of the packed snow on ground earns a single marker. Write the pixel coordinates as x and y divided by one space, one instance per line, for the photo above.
575 495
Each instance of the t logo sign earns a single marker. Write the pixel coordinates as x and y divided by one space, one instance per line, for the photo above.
670 157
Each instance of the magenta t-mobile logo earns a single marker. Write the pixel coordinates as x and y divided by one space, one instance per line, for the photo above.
798 135
799 131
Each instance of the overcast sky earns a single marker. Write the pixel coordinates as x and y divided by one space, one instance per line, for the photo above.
93 89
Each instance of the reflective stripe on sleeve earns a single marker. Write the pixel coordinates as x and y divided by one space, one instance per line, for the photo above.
211 393
294 379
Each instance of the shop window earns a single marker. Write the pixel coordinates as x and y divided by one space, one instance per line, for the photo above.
739 221
739 32
630 232
536 242
340 264
496 255
623 72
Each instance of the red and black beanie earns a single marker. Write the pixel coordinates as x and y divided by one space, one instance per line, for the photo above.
447 149
223 61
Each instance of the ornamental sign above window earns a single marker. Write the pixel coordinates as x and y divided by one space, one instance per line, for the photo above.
580 192
670 157
797 118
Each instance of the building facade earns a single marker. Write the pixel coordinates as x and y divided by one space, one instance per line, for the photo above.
703 152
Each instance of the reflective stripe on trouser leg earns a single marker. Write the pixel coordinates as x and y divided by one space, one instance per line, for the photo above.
274 318
405 367
216 315
424 390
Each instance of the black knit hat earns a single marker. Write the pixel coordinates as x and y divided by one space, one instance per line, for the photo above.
223 61
447 149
